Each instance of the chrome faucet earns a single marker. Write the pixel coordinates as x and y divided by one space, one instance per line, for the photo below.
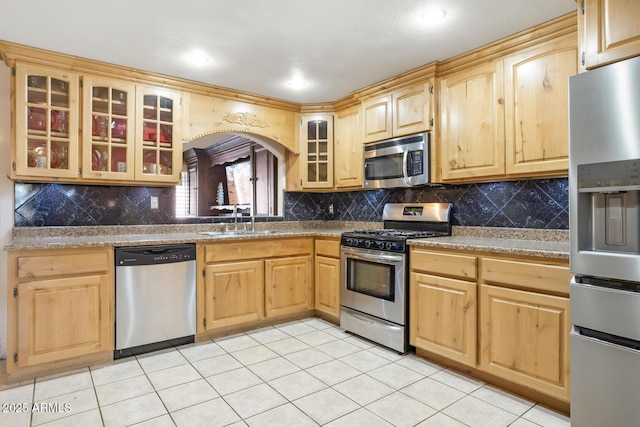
235 217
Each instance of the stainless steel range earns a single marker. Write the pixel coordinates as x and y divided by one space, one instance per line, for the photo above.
374 267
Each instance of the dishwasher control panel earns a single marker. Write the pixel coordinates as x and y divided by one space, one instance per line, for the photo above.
149 255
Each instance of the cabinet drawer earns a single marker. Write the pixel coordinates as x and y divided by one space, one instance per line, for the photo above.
461 266
330 248
545 277
40 264
256 249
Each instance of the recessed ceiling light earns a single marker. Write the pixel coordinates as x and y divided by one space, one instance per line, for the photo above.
198 59
433 15
297 83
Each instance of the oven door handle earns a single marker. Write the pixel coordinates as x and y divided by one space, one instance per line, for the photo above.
374 258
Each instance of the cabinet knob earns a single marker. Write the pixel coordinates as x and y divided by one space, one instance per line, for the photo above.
501 101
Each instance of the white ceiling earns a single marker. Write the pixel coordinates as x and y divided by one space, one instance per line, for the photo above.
258 46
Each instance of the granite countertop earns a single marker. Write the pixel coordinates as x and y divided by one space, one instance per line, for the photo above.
526 242
542 243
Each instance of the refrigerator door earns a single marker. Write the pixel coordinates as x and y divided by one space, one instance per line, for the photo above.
605 383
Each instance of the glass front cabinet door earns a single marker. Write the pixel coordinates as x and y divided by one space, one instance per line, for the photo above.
159 148
316 151
108 129
46 120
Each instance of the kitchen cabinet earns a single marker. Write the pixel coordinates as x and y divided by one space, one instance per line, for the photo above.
46 115
288 286
348 160
327 277
246 282
472 122
316 150
130 132
524 323
234 293
158 135
611 31
401 112
443 304
60 308
508 118
536 107
108 124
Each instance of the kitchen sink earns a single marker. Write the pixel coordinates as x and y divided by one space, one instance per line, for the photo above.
237 232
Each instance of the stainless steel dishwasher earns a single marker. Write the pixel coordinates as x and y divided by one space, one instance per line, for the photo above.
155 297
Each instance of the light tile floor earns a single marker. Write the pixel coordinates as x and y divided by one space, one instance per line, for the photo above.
303 373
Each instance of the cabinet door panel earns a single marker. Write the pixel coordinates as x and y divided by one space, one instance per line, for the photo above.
376 117
288 285
472 114
524 337
348 150
63 318
443 317
327 285
46 122
233 293
612 31
536 112
411 110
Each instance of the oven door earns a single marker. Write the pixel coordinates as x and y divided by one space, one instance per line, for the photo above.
373 282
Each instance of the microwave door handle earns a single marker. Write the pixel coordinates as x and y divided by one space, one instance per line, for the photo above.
405 168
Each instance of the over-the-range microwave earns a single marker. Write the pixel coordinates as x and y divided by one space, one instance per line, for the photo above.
397 162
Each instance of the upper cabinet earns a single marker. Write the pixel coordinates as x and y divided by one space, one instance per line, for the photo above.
509 117
472 122
316 150
129 132
536 108
611 31
348 149
46 123
159 147
402 112
108 124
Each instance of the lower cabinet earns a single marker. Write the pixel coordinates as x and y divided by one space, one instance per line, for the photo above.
524 333
249 281
443 309
234 293
327 277
60 306
504 316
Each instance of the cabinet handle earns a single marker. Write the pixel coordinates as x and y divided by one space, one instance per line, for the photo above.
583 59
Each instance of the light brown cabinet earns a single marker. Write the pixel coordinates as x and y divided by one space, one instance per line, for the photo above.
234 293
245 282
443 304
472 123
524 324
316 151
60 308
348 160
612 31
46 123
288 285
108 129
508 118
402 112
327 277
536 107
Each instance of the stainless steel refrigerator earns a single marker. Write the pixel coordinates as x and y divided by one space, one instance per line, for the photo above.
604 229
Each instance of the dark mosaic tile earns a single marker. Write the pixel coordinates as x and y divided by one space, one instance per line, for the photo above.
500 220
473 208
23 192
49 207
557 189
531 208
500 193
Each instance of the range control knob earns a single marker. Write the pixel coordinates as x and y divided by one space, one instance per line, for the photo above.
389 245
380 245
367 243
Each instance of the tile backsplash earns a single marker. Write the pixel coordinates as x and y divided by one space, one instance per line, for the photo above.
519 204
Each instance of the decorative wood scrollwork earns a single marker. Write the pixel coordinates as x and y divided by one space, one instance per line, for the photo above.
246 119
